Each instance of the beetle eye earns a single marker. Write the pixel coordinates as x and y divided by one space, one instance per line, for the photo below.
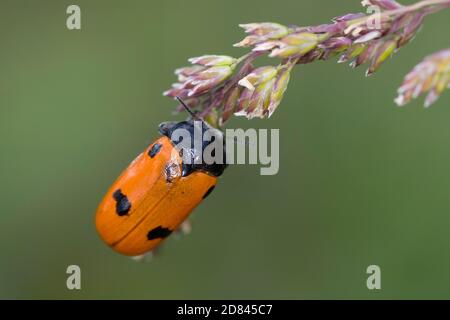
164 127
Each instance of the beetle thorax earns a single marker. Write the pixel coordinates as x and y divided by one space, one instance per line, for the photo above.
201 146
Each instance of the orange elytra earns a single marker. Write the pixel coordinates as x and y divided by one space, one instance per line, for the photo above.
157 192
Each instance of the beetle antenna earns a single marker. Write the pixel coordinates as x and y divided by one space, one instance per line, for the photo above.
193 115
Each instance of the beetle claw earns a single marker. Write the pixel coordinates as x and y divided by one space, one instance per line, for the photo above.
185 228
148 256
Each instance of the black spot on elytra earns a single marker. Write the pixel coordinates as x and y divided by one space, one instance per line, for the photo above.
155 149
208 192
122 203
159 233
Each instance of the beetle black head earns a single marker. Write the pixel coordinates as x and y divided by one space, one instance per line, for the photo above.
201 135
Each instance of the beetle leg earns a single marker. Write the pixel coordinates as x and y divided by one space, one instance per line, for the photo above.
149 256
184 228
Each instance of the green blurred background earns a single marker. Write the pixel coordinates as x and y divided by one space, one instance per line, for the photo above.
361 181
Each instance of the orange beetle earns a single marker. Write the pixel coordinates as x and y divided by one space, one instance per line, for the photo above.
157 192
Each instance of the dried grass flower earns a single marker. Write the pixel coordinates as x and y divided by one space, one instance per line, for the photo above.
432 75
217 88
